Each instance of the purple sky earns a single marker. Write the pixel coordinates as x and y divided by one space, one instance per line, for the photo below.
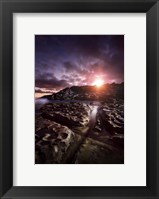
66 60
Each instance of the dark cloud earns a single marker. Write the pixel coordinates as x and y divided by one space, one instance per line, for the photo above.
51 83
48 80
69 66
65 60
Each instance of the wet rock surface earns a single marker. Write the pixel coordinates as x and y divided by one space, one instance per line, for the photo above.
112 113
95 152
80 133
109 127
105 143
53 141
73 114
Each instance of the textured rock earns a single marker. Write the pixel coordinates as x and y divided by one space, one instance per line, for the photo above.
90 92
112 113
80 132
94 152
52 141
67 113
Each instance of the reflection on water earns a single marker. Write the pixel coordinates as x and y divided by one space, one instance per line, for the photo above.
93 115
39 102
94 112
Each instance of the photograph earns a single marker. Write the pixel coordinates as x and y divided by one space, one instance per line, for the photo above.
79 99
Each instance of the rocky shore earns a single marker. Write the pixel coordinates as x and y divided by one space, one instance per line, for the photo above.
65 133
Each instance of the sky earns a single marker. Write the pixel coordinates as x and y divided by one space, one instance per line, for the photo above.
75 60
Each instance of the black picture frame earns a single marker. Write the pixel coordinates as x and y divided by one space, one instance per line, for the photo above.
7 8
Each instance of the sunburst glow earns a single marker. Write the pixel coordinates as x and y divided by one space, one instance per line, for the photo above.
98 82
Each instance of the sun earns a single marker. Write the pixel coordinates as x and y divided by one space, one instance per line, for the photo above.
98 82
